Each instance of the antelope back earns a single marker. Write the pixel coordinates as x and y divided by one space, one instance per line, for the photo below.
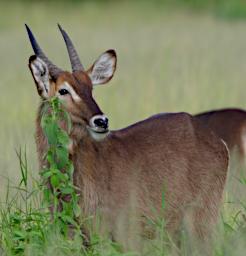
229 125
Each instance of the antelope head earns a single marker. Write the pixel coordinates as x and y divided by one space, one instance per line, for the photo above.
74 89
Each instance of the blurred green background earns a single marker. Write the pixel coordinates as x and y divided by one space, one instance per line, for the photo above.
172 56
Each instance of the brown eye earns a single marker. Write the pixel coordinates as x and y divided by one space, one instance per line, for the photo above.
63 92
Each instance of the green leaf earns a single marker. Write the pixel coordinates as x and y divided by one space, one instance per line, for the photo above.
54 180
67 190
63 138
50 157
68 219
47 194
228 228
70 170
50 129
62 176
46 174
243 181
62 157
19 234
76 210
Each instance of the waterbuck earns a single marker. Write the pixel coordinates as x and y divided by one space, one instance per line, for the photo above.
126 172
230 125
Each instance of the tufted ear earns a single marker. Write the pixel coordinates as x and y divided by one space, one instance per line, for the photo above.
40 73
103 68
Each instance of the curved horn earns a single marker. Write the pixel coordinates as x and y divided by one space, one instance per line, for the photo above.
73 55
53 69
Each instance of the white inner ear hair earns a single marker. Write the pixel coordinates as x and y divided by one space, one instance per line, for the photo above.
70 89
41 75
103 69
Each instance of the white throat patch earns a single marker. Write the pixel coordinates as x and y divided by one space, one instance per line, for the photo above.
96 135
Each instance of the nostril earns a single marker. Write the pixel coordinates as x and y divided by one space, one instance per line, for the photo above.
106 121
98 122
102 123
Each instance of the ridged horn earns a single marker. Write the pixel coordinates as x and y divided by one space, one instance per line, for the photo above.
73 55
53 69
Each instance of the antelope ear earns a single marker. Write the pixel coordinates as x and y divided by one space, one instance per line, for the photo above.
103 68
40 73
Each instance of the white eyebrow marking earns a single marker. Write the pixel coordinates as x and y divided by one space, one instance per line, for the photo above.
70 89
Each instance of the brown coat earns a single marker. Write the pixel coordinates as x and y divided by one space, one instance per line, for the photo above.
228 124
167 153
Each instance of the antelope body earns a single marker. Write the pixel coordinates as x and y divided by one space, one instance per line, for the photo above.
125 171
230 125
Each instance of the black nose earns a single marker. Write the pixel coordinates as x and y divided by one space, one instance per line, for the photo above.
101 122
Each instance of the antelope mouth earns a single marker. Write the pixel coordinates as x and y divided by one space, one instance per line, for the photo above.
98 133
99 130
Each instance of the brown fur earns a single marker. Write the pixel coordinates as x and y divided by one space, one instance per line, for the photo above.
127 172
229 125
169 153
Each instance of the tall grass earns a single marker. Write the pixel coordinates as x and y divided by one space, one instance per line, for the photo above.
43 219
168 60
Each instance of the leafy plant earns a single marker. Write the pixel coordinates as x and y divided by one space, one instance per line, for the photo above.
33 214
60 194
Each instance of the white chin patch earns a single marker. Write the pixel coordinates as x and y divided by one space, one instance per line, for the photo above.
97 135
